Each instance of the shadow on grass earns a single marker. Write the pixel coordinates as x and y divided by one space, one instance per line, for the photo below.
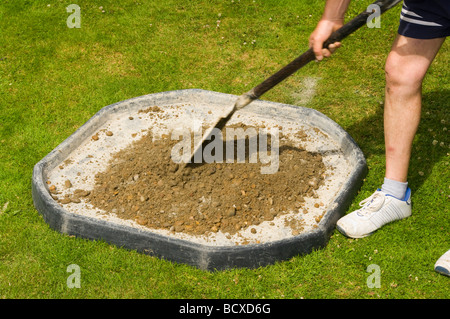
430 145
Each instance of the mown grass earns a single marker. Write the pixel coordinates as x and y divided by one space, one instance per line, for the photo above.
53 79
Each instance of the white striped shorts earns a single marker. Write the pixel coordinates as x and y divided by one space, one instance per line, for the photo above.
425 19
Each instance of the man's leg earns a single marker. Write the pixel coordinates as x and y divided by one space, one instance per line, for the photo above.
406 67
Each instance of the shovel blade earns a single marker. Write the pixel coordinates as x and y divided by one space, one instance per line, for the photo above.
219 124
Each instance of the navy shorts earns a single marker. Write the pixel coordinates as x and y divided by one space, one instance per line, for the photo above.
425 19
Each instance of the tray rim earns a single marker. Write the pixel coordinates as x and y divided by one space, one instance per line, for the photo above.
207 257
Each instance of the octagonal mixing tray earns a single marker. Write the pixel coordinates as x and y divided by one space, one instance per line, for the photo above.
80 157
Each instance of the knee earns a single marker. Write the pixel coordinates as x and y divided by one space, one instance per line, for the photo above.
402 73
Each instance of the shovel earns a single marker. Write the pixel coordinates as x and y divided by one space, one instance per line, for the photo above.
291 68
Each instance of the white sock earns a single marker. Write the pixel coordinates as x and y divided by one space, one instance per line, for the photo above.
394 188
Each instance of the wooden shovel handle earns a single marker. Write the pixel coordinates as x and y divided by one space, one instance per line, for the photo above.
309 56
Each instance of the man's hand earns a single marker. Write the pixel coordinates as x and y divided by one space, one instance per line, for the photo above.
332 19
322 32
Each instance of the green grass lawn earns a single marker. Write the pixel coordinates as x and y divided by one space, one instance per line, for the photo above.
54 78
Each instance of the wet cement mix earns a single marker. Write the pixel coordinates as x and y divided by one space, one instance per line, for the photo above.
142 183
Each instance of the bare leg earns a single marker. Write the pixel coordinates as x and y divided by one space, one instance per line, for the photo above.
406 67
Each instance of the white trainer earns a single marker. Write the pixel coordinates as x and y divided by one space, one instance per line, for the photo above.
442 265
376 211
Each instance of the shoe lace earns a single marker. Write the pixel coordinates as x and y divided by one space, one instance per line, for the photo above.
371 204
